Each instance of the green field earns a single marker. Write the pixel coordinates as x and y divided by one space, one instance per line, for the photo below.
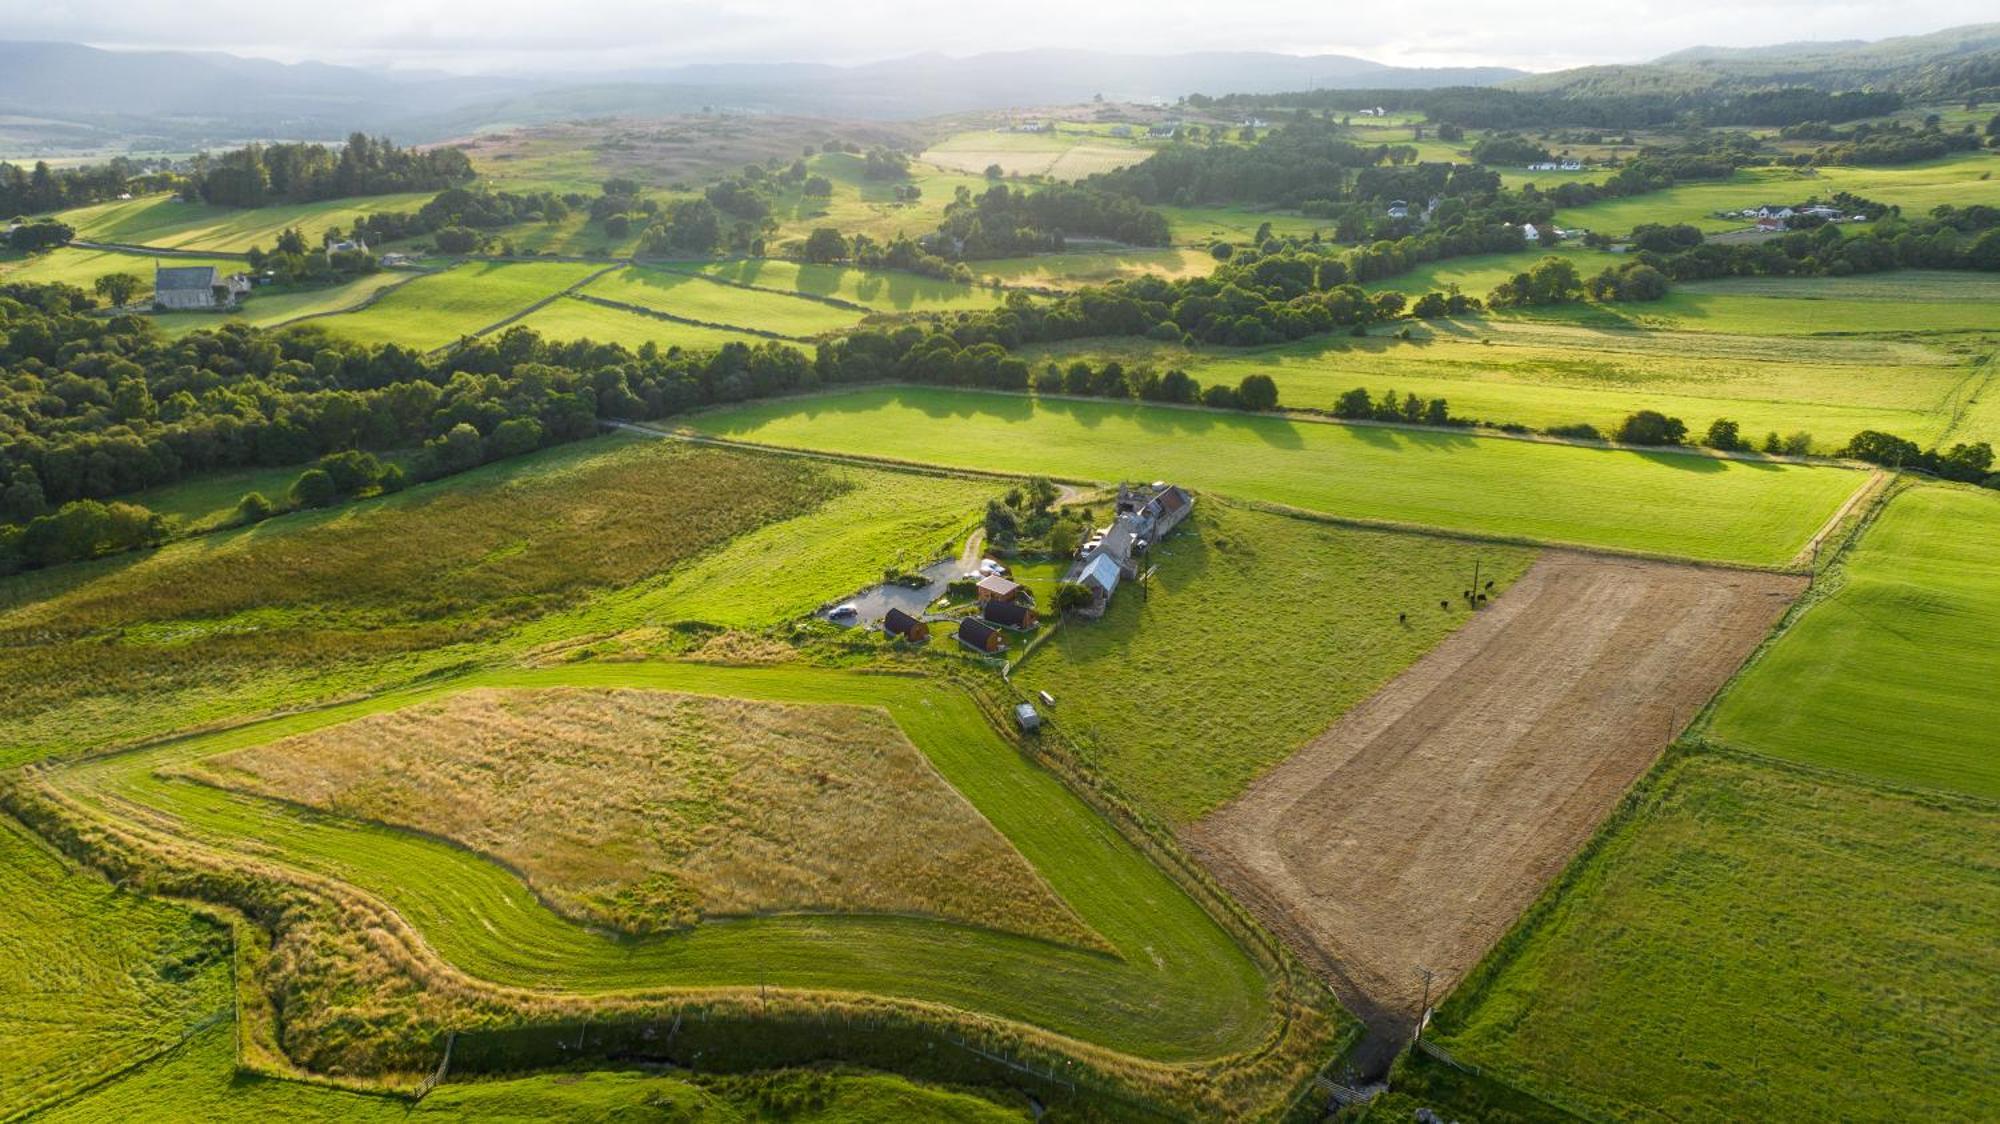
272 307
1962 180
1276 625
695 297
1095 267
1892 675
199 1081
1199 226
1067 153
1544 373
438 310
166 221
479 566
1179 989
881 290
571 319
1750 944
91 979
71 266
860 205
1657 502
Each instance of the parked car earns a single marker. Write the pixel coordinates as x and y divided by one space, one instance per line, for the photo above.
989 566
842 612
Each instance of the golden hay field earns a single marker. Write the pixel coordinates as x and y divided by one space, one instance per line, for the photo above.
651 810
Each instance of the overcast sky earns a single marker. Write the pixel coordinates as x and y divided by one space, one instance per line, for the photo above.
579 35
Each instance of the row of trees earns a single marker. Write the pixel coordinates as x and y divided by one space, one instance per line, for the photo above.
259 175
36 190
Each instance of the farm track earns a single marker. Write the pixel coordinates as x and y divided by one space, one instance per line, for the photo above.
1415 830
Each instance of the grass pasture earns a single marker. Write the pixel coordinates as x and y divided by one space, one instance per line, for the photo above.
1179 987
695 297
1263 689
571 319
443 308
1961 179
881 290
91 979
167 222
724 807
326 603
270 307
1665 503
69 265
1891 676
1543 373
1752 942
1064 154
1076 269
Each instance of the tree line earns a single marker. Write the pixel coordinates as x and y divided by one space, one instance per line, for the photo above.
260 175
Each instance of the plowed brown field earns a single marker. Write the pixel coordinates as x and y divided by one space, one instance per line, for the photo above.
1416 829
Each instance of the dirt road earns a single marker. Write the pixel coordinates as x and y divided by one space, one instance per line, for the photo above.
1417 828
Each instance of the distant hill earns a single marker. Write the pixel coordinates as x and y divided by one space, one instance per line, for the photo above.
57 96
1944 64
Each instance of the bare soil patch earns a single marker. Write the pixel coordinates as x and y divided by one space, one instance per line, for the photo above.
1417 828
649 810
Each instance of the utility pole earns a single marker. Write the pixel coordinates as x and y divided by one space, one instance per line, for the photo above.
1425 1008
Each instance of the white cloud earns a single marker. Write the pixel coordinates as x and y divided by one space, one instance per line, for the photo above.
534 35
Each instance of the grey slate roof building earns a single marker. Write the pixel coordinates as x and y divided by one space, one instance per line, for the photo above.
185 287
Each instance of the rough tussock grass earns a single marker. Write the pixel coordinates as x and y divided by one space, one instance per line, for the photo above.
650 810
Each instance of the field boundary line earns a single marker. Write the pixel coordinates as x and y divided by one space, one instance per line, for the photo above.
837 302
361 305
1876 481
657 314
126 1070
859 460
1981 380
537 306
1833 774
140 250
1825 584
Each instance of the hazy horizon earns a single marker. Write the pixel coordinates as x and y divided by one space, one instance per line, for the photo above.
511 37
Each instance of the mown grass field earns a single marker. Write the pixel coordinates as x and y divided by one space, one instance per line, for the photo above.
91 979
1657 502
1754 943
199 1081
1268 628
1543 373
440 309
881 290
1179 988
650 811
165 221
1068 153
1892 676
571 319
696 297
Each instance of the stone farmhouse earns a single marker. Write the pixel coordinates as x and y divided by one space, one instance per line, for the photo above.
195 288
1146 513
